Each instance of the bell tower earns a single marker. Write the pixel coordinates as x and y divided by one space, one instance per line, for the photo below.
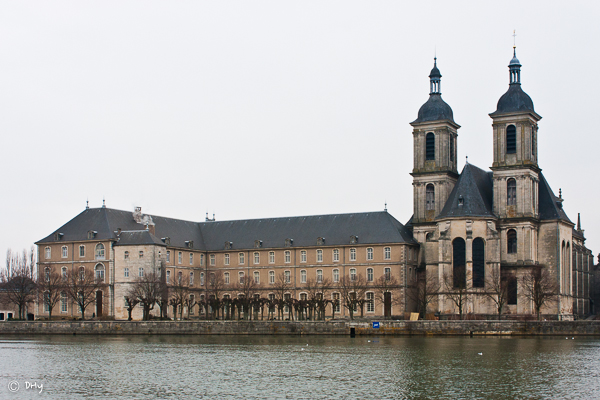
434 151
515 167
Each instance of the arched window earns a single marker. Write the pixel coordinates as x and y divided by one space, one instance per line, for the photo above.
511 192
511 139
511 241
430 197
430 146
99 272
478 263
82 273
47 274
459 270
63 273
179 277
99 251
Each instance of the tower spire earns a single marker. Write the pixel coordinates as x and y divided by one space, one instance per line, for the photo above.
435 84
514 67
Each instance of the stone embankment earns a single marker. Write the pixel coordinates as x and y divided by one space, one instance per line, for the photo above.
340 327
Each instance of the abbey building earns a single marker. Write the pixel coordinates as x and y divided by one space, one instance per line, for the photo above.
474 234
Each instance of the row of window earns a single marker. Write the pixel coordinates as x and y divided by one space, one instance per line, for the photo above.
387 255
287 275
98 272
64 252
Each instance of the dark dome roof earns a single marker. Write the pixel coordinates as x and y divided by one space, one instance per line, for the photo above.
435 72
514 100
514 61
435 109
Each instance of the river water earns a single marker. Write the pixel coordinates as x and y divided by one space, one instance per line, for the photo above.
294 367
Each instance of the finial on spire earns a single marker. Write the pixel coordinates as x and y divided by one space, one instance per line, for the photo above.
87 204
514 41
103 202
467 160
560 193
578 221
385 206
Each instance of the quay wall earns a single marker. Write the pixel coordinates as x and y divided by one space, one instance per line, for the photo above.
300 328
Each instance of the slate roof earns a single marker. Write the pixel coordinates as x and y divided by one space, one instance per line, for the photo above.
370 227
514 100
475 188
434 109
128 238
550 205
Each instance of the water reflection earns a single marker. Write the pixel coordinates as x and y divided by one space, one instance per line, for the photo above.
308 367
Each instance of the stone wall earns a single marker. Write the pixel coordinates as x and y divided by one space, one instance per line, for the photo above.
569 328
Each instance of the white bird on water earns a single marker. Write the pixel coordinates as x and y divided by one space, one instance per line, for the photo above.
480 354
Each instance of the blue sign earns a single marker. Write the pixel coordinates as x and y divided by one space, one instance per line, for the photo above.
375 325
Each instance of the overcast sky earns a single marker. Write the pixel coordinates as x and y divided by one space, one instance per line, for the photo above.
255 109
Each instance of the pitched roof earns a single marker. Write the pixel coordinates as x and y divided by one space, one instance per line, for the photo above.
370 227
472 195
550 205
128 238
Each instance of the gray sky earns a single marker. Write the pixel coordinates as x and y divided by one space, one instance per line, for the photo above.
256 109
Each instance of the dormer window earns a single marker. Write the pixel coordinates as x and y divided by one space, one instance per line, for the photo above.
320 241
461 201
92 234
189 244
258 244
166 240
289 242
228 245
353 239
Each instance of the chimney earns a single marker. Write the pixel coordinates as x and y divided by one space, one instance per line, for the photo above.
151 229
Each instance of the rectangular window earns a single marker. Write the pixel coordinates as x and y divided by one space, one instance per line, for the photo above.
303 256
370 274
126 255
213 260
126 272
352 254
256 257
241 277
82 251
319 255
319 275
388 273
226 278
370 302
226 259
168 256
47 252
64 252
168 276
387 253
241 258
47 302
288 257
202 259
191 279
336 301
141 254
201 278
370 253
336 275
191 258
352 274
256 277
141 272
191 304
288 276
179 257
271 277
271 257
303 276
63 302
336 255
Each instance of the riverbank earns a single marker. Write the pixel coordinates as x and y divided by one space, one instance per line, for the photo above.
341 327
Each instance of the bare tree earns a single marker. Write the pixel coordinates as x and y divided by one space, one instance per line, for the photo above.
179 293
280 288
246 286
539 286
19 281
82 286
149 290
423 288
353 288
215 289
50 286
496 288
455 288
130 303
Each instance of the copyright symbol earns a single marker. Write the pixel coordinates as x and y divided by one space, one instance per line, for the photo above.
13 386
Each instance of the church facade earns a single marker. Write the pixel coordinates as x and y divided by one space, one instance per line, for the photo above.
470 232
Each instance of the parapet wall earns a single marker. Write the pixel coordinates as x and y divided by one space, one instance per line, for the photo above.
300 328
